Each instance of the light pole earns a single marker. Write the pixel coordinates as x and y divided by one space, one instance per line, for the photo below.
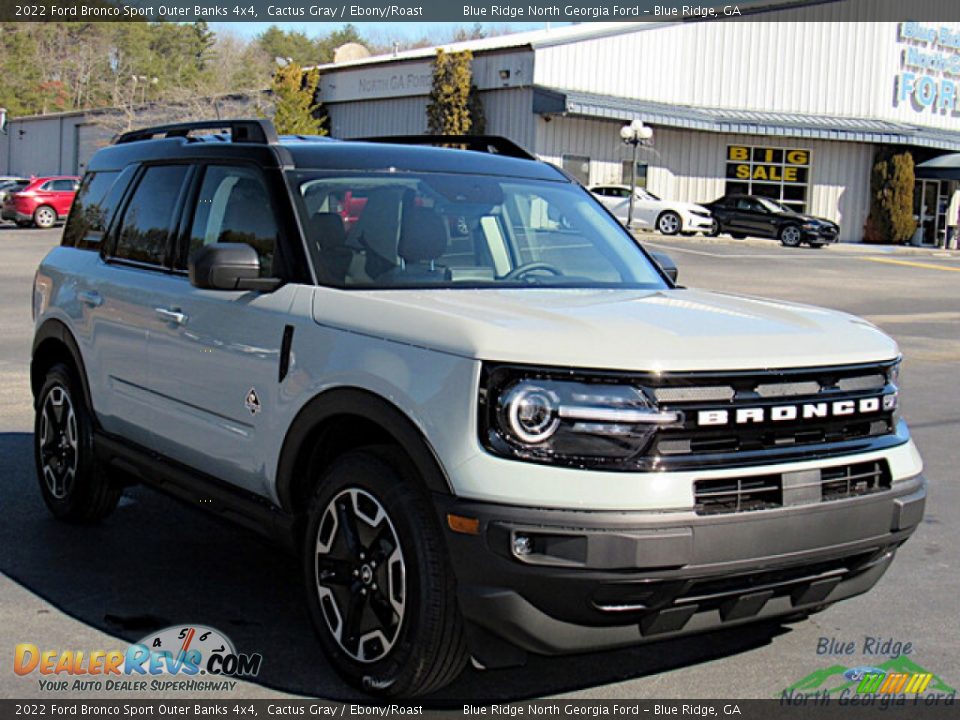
635 134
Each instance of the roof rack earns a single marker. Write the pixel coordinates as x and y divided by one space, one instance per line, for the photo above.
493 144
257 131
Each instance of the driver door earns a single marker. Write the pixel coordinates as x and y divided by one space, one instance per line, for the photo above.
214 361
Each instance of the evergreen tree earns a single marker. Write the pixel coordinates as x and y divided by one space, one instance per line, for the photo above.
297 111
449 110
892 180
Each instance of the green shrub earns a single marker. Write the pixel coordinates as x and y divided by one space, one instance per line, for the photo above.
891 200
297 110
455 107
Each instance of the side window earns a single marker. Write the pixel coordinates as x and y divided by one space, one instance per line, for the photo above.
65 185
578 166
47 186
90 214
744 204
234 207
146 223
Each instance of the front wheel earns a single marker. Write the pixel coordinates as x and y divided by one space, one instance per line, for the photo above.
44 217
75 486
714 229
379 586
791 236
669 223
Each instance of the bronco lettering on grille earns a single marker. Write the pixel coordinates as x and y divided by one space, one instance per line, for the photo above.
786 413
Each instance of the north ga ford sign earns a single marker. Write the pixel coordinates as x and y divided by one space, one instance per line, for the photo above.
929 79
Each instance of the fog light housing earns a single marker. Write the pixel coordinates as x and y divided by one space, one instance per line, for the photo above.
522 545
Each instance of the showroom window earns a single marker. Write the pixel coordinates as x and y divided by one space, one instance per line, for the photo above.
578 166
641 174
781 174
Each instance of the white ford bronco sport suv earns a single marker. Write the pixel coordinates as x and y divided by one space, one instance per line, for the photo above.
489 422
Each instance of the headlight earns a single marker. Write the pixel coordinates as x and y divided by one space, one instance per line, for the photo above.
567 421
891 400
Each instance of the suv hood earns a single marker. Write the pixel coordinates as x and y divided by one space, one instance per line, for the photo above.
668 330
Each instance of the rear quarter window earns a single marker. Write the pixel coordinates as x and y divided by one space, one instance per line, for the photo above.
91 211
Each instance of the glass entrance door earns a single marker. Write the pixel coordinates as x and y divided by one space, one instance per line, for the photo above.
926 208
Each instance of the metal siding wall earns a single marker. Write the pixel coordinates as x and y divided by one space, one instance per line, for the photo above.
37 151
690 166
394 116
509 112
90 138
822 66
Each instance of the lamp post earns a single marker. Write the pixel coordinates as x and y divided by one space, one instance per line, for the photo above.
635 134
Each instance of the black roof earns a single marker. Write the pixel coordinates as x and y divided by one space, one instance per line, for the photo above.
255 141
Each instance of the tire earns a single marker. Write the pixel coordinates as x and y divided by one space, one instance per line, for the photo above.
816 245
407 637
44 217
74 485
714 230
24 223
790 236
738 236
669 223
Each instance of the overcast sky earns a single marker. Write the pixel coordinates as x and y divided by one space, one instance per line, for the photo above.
407 30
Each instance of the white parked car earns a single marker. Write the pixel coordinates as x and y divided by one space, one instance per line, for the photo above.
649 211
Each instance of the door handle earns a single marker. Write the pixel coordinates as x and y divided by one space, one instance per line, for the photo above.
90 297
173 315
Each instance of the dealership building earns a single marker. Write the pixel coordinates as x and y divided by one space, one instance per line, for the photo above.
792 104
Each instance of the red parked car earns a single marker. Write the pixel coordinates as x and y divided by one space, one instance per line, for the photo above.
42 203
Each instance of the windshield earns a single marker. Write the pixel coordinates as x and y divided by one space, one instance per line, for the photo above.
773 206
431 230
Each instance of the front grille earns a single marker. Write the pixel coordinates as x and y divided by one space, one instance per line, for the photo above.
764 492
755 418
738 494
736 418
848 481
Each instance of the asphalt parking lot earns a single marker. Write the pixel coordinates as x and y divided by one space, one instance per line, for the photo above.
156 562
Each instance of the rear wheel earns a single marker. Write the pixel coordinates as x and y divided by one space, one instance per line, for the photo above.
44 217
75 486
380 590
669 223
791 236
714 229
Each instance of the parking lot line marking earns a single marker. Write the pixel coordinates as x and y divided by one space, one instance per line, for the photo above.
928 266
682 250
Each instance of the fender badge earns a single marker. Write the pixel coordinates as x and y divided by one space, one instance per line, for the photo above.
252 402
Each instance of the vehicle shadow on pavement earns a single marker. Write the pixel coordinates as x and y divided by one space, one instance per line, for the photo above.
157 562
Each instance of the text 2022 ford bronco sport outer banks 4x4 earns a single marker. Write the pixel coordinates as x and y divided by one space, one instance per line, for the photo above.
487 419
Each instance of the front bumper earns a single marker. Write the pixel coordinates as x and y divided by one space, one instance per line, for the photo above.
608 579
697 223
820 236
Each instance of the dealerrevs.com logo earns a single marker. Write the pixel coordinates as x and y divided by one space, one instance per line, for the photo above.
182 657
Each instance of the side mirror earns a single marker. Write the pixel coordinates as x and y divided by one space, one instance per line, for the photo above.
666 264
228 266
